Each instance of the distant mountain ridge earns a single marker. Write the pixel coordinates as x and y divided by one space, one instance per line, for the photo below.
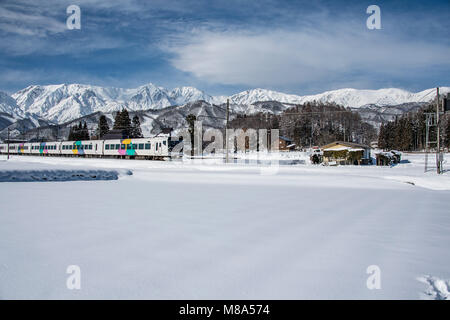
65 102
56 104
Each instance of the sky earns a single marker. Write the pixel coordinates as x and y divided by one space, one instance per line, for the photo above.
224 47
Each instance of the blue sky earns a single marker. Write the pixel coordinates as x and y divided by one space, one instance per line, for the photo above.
224 47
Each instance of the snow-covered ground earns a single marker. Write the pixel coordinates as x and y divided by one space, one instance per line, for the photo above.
198 230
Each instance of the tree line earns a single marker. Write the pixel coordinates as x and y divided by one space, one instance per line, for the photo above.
128 128
408 132
312 124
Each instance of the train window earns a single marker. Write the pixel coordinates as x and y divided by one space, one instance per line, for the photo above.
141 146
107 146
117 146
90 147
156 146
122 146
147 146
164 142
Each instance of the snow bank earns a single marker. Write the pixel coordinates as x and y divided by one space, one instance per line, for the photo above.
438 289
57 175
29 169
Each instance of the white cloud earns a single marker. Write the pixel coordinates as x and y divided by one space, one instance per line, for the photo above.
277 58
29 23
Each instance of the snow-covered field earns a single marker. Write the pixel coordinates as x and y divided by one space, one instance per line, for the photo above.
200 230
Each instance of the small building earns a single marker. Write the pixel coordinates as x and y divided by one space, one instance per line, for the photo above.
285 144
341 152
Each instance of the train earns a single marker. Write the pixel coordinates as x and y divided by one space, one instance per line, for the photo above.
154 148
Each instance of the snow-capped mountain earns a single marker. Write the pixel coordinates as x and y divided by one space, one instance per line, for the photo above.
65 102
8 105
352 98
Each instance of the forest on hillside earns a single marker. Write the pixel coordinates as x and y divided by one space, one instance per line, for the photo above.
312 124
408 132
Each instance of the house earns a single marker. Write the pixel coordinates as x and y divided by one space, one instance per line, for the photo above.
341 152
285 144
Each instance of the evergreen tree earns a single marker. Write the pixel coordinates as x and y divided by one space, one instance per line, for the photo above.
126 121
123 122
72 134
84 134
103 127
118 121
136 131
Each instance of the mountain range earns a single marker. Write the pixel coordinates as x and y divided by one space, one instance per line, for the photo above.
37 105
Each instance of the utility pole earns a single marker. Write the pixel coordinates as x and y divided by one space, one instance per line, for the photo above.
8 145
226 127
438 149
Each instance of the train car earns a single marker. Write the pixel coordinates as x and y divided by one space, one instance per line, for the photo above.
45 148
156 147
82 148
23 148
53 148
35 147
27 148
13 148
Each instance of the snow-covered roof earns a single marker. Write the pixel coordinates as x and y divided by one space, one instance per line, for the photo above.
355 149
337 149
